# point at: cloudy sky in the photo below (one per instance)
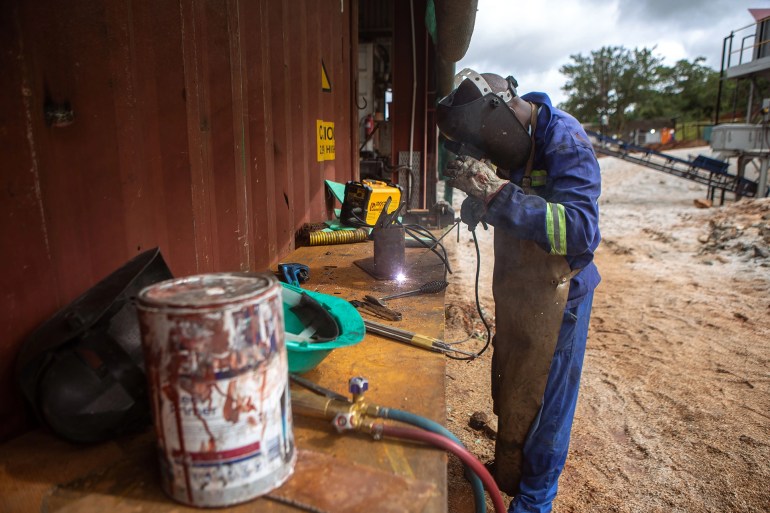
(532, 39)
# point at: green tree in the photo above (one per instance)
(611, 81)
(690, 89)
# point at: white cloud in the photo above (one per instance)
(532, 39)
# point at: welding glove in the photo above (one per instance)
(472, 212)
(474, 177)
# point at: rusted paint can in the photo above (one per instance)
(218, 377)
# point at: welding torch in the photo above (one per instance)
(414, 339)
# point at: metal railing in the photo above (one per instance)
(749, 48)
(754, 44)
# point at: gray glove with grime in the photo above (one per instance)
(473, 177)
(472, 212)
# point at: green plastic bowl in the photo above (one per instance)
(305, 356)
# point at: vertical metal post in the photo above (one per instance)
(721, 77)
(762, 184)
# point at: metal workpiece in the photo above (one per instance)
(389, 251)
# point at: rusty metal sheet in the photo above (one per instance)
(400, 376)
(321, 482)
(193, 129)
(38, 472)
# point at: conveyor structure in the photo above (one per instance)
(705, 170)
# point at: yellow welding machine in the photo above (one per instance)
(365, 200)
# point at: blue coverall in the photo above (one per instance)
(562, 217)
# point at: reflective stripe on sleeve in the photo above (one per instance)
(556, 224)
(539, 177)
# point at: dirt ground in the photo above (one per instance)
(674, 408)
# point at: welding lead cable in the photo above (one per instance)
(434, 427)
(408, 433)
(413, 232)
(437, 242)
(478, 304)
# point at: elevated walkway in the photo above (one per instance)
(704, 170)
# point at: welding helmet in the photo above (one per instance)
(82, 370)
(476, 114)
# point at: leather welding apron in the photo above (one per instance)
(530, 288)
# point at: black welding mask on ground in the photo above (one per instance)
(476, 114)
(82, 370)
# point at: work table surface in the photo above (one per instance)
(334, 473)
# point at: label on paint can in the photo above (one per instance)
(218, 373)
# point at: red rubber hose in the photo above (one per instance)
(448, 445)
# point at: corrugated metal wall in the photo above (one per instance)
(194, 130)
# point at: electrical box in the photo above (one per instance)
(740, 137)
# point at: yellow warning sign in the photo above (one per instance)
(326, 85)
(325, 130)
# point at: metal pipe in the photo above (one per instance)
(721, 78)
(762, 183)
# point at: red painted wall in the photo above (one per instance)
(194, 130)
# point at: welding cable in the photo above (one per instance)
(434, 427)
(438, 241)
(478, 304)
(356, 220)
(413, 230)
(426, 233)
(420, 435)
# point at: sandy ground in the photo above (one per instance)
(674, 409)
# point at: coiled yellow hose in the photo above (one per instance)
(337, 237)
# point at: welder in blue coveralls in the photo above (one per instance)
(537, 182)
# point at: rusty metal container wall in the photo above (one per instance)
(193, 129)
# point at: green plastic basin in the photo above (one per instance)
(305, 356)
